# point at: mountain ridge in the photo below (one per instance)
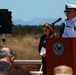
(35, 21)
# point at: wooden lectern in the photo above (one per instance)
(60, 51)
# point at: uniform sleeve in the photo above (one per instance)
(62, 29)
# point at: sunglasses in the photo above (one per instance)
(44, 30)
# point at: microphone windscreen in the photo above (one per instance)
(59, 19)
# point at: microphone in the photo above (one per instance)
(59, 19)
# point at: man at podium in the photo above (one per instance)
(69, 31)
(70, 23)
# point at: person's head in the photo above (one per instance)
(19, 70)
(70, 11)
(47, 29)
(63, 69)
(7, 54)
(4, 72)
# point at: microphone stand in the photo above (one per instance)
(53, 29)
(59, 19)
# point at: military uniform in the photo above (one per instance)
(70, 24)
(69, 30)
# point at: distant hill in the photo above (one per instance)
(36, 21)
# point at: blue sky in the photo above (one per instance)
(29, 9)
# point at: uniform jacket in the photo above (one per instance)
(69, 30)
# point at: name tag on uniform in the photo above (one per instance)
(67, 26)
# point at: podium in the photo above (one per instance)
(60, 51)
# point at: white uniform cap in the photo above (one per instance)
(70, 7)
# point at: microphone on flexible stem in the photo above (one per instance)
(59, 19)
